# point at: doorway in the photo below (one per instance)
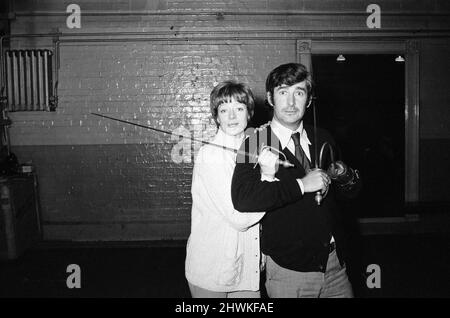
(361, 102)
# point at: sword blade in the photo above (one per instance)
(177, 135)
(252, 157)
(316, 158)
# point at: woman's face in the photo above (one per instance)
(232, 117)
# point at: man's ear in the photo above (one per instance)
(269, 98)
(309, 101)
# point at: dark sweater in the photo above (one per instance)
(295, 231)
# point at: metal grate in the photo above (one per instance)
(29, 80)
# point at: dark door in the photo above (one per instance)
(361, 101)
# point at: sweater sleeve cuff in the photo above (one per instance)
(268, 178)
(300, 184)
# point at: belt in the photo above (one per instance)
(331, 247)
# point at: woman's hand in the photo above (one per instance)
(268, 162)
(262, 127)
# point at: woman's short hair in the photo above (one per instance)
(289, 74)
(230, 90)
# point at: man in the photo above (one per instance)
(303, 241)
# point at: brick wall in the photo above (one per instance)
(155, 62)
(101, 179)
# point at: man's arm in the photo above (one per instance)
(250, 194)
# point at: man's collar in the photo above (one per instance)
(284, 133)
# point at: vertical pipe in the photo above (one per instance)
(55, 71)
(15, 76)
(21, 73)
(39, 76)
(45, 78)
(28, 92)
(34, 79)
(9, 80)
(2, 66)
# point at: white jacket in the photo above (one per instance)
(223, 252)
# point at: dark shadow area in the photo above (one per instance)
(361, 102)
(410, 266)
(262, 113)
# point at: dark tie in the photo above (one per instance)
(299, 153)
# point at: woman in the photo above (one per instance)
(223, 256)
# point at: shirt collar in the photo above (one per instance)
(284, 133)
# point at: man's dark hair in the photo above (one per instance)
(288, 74)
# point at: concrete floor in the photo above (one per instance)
(411, 266)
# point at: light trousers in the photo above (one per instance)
(286, 283)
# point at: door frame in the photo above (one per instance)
(410, 49)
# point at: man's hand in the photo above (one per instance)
(316, 180)
(346, 180)
(268, 162)
(341, 174)
(337, 169)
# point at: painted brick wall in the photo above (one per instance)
(230, 5)
(100, 179)
(50, 15)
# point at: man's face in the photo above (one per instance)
(289, 104)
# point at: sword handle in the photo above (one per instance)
(318, 198)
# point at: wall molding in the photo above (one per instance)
(410, 13)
